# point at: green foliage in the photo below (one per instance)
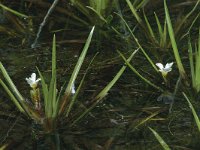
(161, 40)
(193, 111)
(13, 11)
(96, 11)
(160, 139)
(75, 73)
(134, 11)
(139, 45)
(173, 42)
(52, 102)
(194, 57)
(57, 105)
(148, 32)
(104, 92)
(138, 74)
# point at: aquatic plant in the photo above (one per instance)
(52, 106)
(97, 11)
(139, 100)
(53, 102)
(173, 42)
(194, 57)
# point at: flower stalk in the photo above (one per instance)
(35, 92)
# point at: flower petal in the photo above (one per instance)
(169, 65)
(160, 66)
(167, 70)
(29, 81)
(32, 81)
(33, 76)
(37, 80)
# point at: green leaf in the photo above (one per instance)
(193, 111)
(97, 13)
(138, 74)
(10, 83)
(54, 102)
(137, 42)
(79, 87)
(13, 11)
(149, 27)
(173, 42)
(15, 101)
(191, 63)
(104, 92)
(184, 19)
(75, 72)
(160, 140)
(160, 30)
(134, 11)
(45, 92)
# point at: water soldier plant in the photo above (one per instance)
(52, 106)
(46, 110)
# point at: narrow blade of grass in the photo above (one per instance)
(12, 97)
(97, 13)
(160, 140)
(137, 42)
(173, 42)
(104, 92)
(146, 119)
(193, 111)
(21, 105)
(134, 11)
(76, 71)
(4, 146)
(183, 20)
(164, 37)
(79, 87)
(191, 63)
(13, 11)
(191, 25)
(45, 92)
(138, 74)
(54, 102)
(142, 4)
(197, 73)
(79, 5)
(149, 27)
(160, 30)
(10, 83)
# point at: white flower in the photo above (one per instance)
(166, 69)
(32, 80)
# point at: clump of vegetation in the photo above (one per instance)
(150, 98)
